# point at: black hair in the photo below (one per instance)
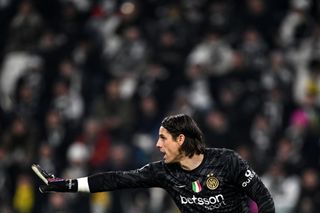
(184, 124)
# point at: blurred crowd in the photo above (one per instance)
(84, 85)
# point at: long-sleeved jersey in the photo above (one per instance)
(222, 183)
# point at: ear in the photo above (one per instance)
(180, 139)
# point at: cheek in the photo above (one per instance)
(172, 154)
(173, 149)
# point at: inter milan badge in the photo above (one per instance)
(196, 186)
(212, 182)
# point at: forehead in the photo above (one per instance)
(163, 131)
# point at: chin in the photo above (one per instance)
(166, 160)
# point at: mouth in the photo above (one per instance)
(163, 153)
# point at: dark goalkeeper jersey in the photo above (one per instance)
(222, 183)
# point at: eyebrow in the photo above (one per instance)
(161, 135)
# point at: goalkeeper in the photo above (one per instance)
(198, 179)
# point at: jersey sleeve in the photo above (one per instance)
(250, 183)
(145, 177)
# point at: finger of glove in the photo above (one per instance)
(42, 174)
(49, 188)
(44, 189)
(53, 187)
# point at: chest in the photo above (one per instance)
(209, 189)
(210, 180)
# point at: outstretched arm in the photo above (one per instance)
(107, 181)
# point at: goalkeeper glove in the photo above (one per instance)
(54, 184)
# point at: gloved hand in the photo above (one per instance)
(53, 183)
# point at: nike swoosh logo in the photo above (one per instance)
(180, 186)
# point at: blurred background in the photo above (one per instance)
(85, 83)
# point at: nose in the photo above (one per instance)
(158, 144)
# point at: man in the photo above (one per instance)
(198, 179)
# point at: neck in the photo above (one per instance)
(187, 163)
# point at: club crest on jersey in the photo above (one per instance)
(212, 182)
(196, 186)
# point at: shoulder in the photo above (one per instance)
(224, 156)
(221, 152)
(156, 166)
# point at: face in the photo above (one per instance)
(168, 146)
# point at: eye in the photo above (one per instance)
(162, 137)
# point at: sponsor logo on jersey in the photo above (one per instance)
(210, 203)
(196, 186)
(249, 175)
(212, 182)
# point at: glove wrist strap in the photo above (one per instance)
(72, 185)
(67, 185)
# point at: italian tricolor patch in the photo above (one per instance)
(196, 186)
